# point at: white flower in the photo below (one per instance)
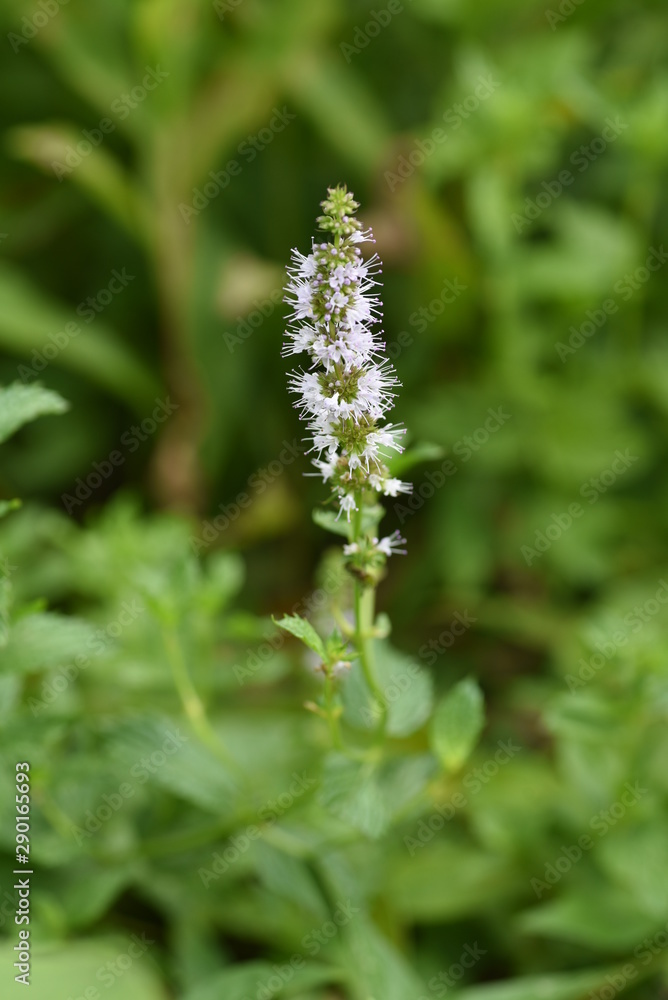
(348, 386)
(340, 668)
(390, 544)
(374, 387)
(305, 267)
(393, 487)
(326, 469)
(301, 339)
(347, 505)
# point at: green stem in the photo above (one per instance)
(191, 701)
(365, 599)
(333, 715)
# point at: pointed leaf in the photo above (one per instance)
(303, 630)
(457, 724)
(19, 404)
(351, 792)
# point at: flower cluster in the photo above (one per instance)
(349, 386)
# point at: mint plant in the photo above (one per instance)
(344, 396)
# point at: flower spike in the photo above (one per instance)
(346, 391)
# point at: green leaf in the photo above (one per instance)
(65, 968)
(592, 914)
(48, 640)
(369, 795)
(350, 790)
(457, 723)
(303, 630)
(554, 986)
(341, 108)
(99, 173)
(7, 506)
(431, 881)
(85, 891)
(379, 968)
(290, 879)
(241, 981)
(423, 452)
(235, 983)
(5, 604)
(19, 404)
(407, 688)
(327, 519)
(191, 770)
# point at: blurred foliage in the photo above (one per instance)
(511, 157)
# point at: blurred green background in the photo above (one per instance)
(161, 158)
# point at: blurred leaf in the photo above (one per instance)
(248, 979)
(27, 320)
(86, 892)
(45, 641)
(419, 453)
(98, 173)
(70, 968)
(341, 107)
(376, 964)
(303, 630)
(289, 878)
(19, 404)
(457, 724)
(407, 688)
(637, 858)
(350, 790)
(592, 914)
(7, 506)
(327, 519)
(433, 880)
(189, 770)
(555, 986)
